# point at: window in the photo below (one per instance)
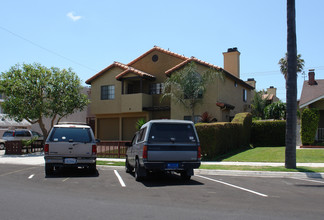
(141, 135)
(166, 132)
(156, 88)
(107, 92)
(155, 58)
(244, 95)
(71, 135)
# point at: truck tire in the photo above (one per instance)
(93, 168)
(128, 167)
(138, 171)
(185, 176)
(49, 169)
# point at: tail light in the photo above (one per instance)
(46, 148)
(145, 152)
(94, 149)
(199, 153)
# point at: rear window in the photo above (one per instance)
(22, 134)
(71, 135)
(165, 132)
(8, 134)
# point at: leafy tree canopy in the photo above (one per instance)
(34, 92)
(276, 111)
(187, 86)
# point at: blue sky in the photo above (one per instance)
(89, 35)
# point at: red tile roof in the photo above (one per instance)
(193, 59)
(126, 68)
(115, 64)
(135, 71)
(268, 96)
(311, 93)
(156, 48)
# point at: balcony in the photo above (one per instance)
(135, 102)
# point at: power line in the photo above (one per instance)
(47, 50)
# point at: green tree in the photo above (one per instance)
(34, 92)
(284, 65)
(291, 87)
(276, 111)
(258, 105)
(187, 86)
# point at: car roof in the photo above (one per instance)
(71, 126)
(175, 121)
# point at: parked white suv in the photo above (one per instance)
(70, 145)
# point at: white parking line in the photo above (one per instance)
(31, 176)
(120, 179)
(234, 186)
(315, 181)
(5, 174)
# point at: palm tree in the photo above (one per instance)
(187, 86)
(291, 87)
(284, 65)
(258, 104)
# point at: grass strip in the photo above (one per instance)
(272, 154)
(263, 168)
(110, 163)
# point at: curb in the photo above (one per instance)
(260, 173)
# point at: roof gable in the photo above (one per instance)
(193, 59)
(311, 93)
(156, 48)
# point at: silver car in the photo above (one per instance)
(70, 145)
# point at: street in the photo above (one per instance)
(114, 194)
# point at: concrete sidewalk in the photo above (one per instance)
(38, 159)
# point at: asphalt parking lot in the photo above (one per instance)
(78, 194)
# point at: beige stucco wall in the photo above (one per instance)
(218, 91)
(117, 127)
(99, 106)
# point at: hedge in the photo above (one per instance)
(309, 124)
(268, 133)
(219, 138)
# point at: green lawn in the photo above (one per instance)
(273, 154)
(260, 154)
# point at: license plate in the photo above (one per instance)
(172, 165)
(70, 161)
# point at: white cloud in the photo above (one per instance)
(73, 17)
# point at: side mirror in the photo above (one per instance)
(97, 140)
(128, 144)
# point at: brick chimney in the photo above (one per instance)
(251, 82)
(232, 61)
(272, 90)
(311, 77)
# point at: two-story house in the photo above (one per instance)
(121, 94)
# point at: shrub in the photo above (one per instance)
(276, 111)
(268, 133)
(309, 124)
(219, 138)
